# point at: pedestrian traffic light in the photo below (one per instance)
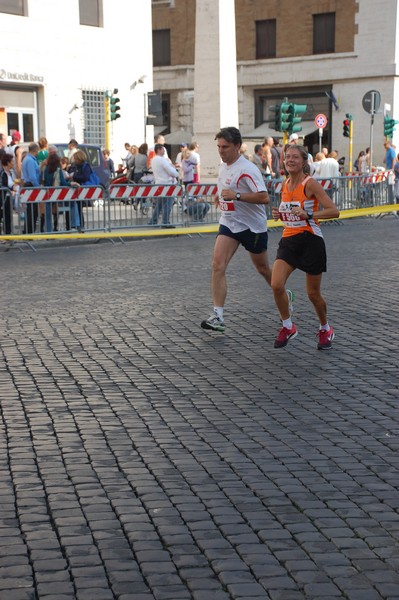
(389, 126)
(275, 117)
(295, 117)
(346, 128)
(114, 107)
(284, 116)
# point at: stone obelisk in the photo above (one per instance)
(215, 78)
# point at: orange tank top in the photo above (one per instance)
(294, 224)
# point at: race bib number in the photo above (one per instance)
(227, 206)
(285, 210)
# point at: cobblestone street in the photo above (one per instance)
(144, 458)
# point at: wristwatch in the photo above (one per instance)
(238, 196)
(309, 214)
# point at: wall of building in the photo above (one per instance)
(53, 53)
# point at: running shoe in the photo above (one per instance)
(214, 322)
(284, 335)
(325, 339)
(291, 298)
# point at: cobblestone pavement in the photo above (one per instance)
(142, 457)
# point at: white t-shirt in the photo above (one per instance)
(243, 177)
(163, 170)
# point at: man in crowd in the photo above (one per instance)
(164, 173)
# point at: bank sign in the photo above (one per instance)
(14, 76)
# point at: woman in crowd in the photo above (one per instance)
(8, 181)
(53, 175)
(81, 172)
(43, 152)
(303, 203)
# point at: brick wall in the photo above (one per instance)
(294, 26)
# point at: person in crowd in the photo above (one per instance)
(8, 181)
(53, 175)
(258, 159)
(31, 178)
(275, 150)
(303, 203)
(43, 152)
(188, 166)
(128, 154)
(364, 162)
(390, 155)
(131, 163)
(3, 141)
(109, 162)
(194, 148)
(164, 173)
(267, 157)
(64, 163)
(356, 164)
(140, 162)
(81, 171)
(16, 150)
(158, 139)
(72, 149)
(396, 173)
(315, 167)
(178, 161)
(242, 197)
(244, 151)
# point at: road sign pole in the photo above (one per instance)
(372, 112)
(320, 138)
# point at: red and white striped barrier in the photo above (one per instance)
(326, 184)
(194, 189)
(50, 194)
(126, 191)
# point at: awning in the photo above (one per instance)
(265, 130)
(178, 137)
(159, 129)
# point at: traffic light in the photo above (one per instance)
(114, 107)
(389, 126)
(275, 117)
(284, 116)
(346, 132)
(295, 117)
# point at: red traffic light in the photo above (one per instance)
(346, 122)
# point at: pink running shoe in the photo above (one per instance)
(325, 338)
(284, 335)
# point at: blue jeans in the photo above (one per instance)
(163, 205)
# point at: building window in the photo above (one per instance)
(90, 12)
(161, 47)
(94, 117)
(13, 7)
(266, 38)
(324, 33)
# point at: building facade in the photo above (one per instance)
(61, 59)
(327, 54)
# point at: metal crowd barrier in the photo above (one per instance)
(62, 209)
(198, 204)
(141, 205)
(348, 191)
(45, 210)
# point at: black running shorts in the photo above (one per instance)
(256, 243)
(304, 251)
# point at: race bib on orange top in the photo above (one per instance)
(285, 210)
(227, 206)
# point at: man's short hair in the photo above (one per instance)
(257, 148)
(157, 147)
(33, 146)
(230, 134)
